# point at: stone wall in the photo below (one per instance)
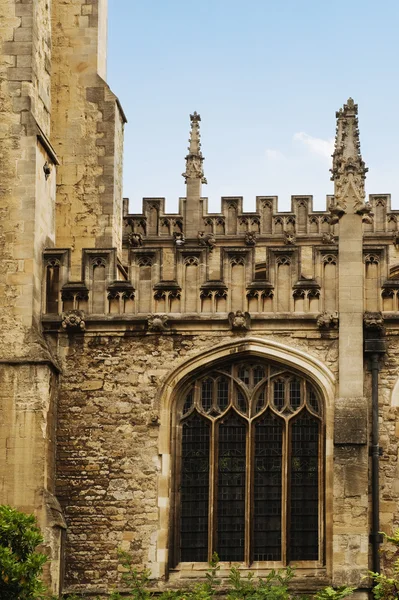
(28, 379)
(109, 444)
(25, 63)
(389, 435)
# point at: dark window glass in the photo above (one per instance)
(52, 288)
(259, 374)
(304, 484)
(312, 399)
(278, 398)
(194, 492)
(267, 486)
(223, 393)
(188, 403)
(295, 394)
(206, 394)
(277, 454)
(231, 488)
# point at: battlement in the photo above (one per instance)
(266, 220)
(266, 263)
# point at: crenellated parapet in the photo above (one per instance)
(268, 263)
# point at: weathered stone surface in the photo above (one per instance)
(350, 426)
(104, 314)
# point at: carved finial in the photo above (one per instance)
(194, 158)
(349, 170)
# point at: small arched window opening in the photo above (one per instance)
(52, 286)
(249, 467)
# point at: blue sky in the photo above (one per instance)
(267, 77)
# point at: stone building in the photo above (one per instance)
(176, 384)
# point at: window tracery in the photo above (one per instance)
(249, 464)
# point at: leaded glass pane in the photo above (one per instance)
(242, 402)
(285, 485)
(295, 394)
(223, 393)
(260, 402)
(259, 373)
(194, 489)
(278, 394)
(188, 402)
(267, 487)
(304, 484)
(231, 488)
(244, 374)
(312, 399)
(206, 394)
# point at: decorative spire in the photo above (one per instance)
(194, 158)
(349, 170)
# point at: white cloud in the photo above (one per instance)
(315, 145)
(272, 154)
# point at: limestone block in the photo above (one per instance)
(350, 421)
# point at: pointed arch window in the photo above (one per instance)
(249, 467)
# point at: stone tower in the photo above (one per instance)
(56, 111)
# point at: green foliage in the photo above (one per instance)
(273, 587)
(137, 581)
(20, 563)
(387, 588)
(329, 593)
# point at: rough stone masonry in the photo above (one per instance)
(134, 348)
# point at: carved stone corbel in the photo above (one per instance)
(207, 240)
(157, 323)
(328, 320)
(289, 238)
(374, 322)
(179, 239)
(240, 320)
(328, 238)
(135, 240)
(250, 238)
(73, 321)
(336, 211)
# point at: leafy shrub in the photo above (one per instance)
(387, 588)
(273, 587)
(329, 593)
(20, 563)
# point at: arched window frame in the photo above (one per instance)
(286, 374)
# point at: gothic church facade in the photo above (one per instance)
(179, 384)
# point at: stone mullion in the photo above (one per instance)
(306, 300)
(213, 301)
